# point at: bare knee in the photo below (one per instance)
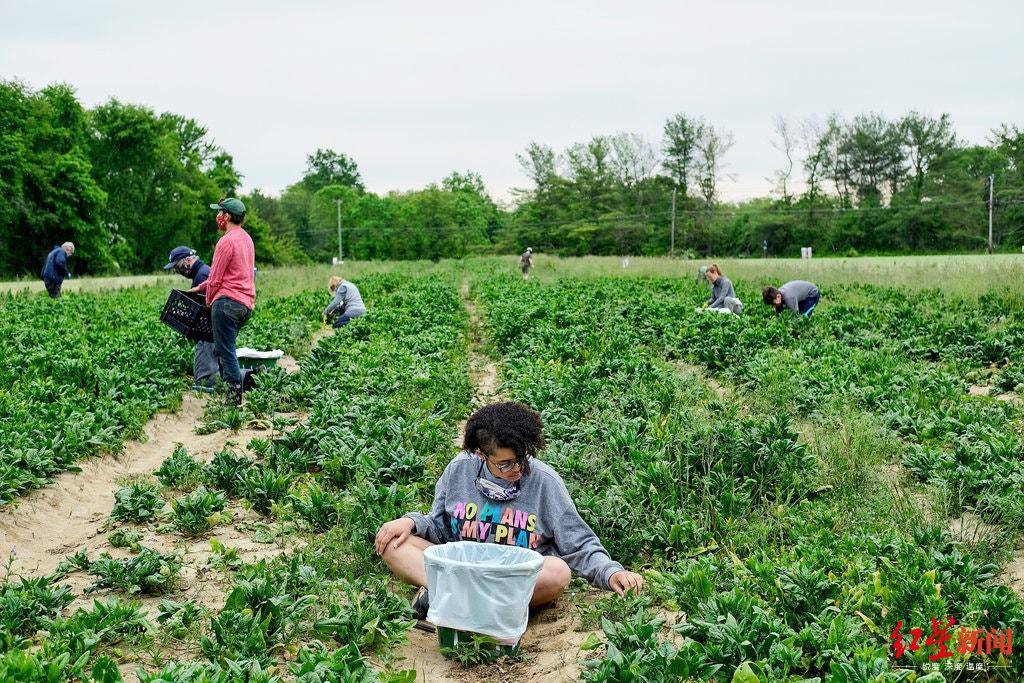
(406, 561)
(553, 580)
(561, 575)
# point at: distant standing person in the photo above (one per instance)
(526, 262)
(723, 296)
(799, 296)
(346, 304)
(204, 363)
(55, 269)
(230, 289)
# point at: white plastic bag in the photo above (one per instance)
(481, 587)
(246, 352)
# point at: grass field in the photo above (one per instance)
(965, 275)
(795, 492)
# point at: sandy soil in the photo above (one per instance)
(49, 523)
(57, 520)
(550, 652)
(986, 390)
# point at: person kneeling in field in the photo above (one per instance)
(346, 304)
(799, 296)
(723, 296)
(496, 491)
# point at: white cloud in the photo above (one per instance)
(415, 90)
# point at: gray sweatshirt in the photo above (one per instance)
(719, 291)
(796, 291)
(346, 301)
(543, 517)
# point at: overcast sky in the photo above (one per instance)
(414, 90)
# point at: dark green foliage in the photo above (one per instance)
(317, 664)
(197, 512)
(321, 509)
(225, 470)
(27, 603)
(138, 502)
(366, 615)
(264, 487)
(636, 650)
(148, 572)
(177, 618)
(180, 470)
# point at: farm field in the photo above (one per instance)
(794, 491)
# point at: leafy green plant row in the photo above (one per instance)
(781, 577)
(383, 397)
(908, 361)
(82, 374)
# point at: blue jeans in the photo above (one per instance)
(342, 320)
(228, 317)
(808, 304)
(204, 364)
(53, 288)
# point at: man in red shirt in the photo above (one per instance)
(231, 289)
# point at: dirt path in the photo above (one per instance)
(551, 645)
(483, 371)
(59, 519)
(550, 651)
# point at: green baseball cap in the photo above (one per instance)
(231, 205)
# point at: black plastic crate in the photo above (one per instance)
(188, 313)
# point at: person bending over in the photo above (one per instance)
(798, 296)
(723, 296)
(55, 269)
(346, 304)
(497, 491)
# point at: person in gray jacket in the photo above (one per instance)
(497, 491)
(723, 296)
(799, 296)
(346, 304)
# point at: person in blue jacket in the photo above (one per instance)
(205, 366)
(55, 269)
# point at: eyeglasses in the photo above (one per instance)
(507, 465)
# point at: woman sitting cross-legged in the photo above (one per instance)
(496, 491)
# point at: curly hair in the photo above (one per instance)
(508, 424)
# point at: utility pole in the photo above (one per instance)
(341, 252)
(672, 250)
(991, 182)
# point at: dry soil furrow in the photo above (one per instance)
(64, 517)
(551, 645)
(483, 371)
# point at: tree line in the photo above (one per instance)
(126, 184)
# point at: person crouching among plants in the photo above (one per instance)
(346, 304)
(497, 491)
(799, 296)
(723, 296)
